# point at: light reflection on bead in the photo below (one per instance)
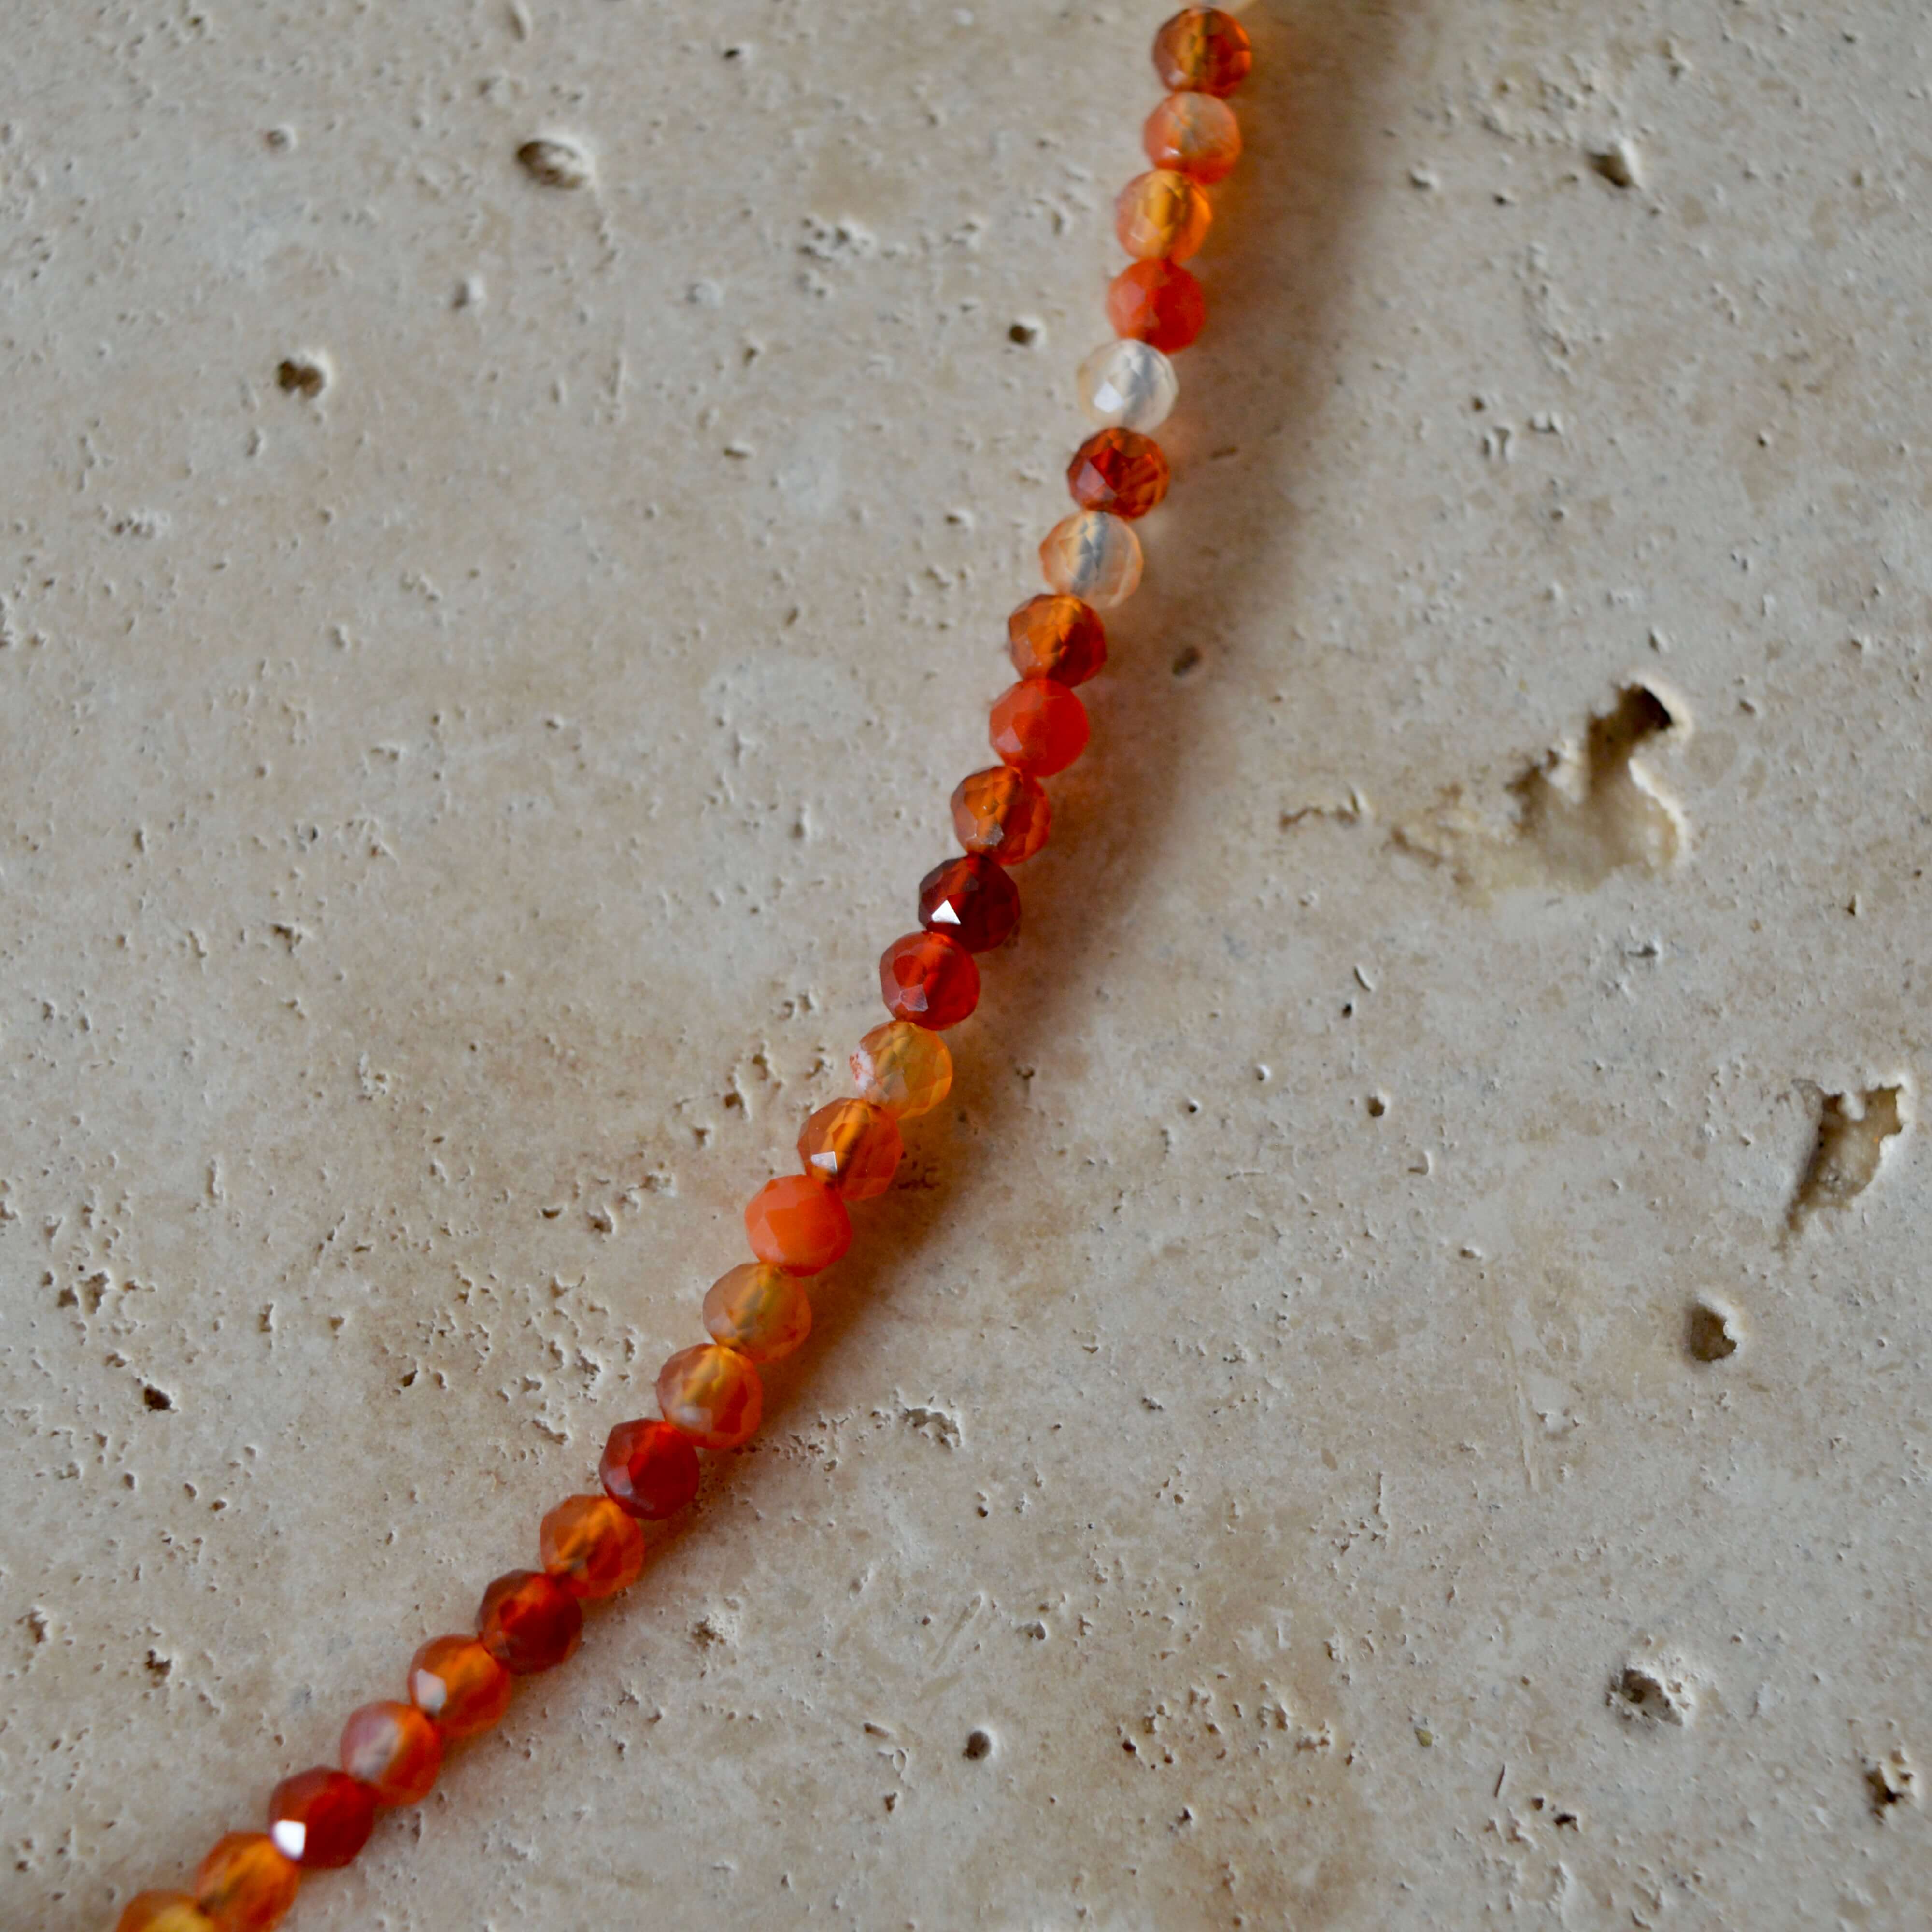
(1128, 385)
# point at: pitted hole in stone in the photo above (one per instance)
(1028, 331)
(1655, 1690)
(156, 1398)
(1856, 1131)
(552, 161)
(1377, 1106)
(306, 375)
(1891, 1781)
(1713, 1331)
(980, 1743)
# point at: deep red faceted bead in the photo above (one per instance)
(529, 1621)
(1057, 636)
(1038, 727)
(1116, 469)
(971, 900)
(929, 979)
(321, 1819)
(649, 1468)
(1159, 303)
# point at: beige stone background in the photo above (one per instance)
(448, 819)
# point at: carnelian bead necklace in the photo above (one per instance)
(710, 1396)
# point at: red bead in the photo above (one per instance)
(649, 1469)
(852, 1147)
(1002, 813)
(929, 979)
(395, 1750)
(1039, 727)
(1159, 303)
(458, 1685)
(529, 1622)
(321, 1819)
(1116, 469)
(795, 1224)
(971, 900)
(1057, 636)
(1202, 50)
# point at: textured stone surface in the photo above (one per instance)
(512, 510)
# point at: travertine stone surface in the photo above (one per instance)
(1393, 1392)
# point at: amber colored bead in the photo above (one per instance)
(1056, 637)
(713, 1394)
(1159, 303)
(320, 1819)
(1002, 813)
(902, 1068)
(162, 1911)
(1195, 135)
(852, 1147)
(395, 1750)
(529, 1622)
(591, 1547)
(1161, 215)
(244, 1885)
(971, 900)
(1202, 50)
(797, 1225)
(929, 979)
(649, 1469)
(1116, 469)
(1039, 727)
(457, 1683)
(758, 1309)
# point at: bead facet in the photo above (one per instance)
(1202, 50)
(1057, 636)
(903, 1068)
(164, 1912)
(529, 1622)
(1162, 216)
(797, 1225)
(320, 1819)
(1159, 303)
(759, 1310)
(649, 1469)
(1196, 135)
(244, 1885)
(455, 1682)
(929, 979)
(972, 901)
(1094, 556)
(1002, 813)
(395, 1750)
(1119, 470)
(593, 1548)
(1128, 385)
(853, 1148)
(713, 1394)
(1039, 726)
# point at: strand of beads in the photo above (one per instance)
(710, 1396)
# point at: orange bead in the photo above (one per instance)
(1202, 50)
(456, 1682)
(1195, 135)
(903, 1068)
(797, 1225)
(164, 1912)
(321, 1818)
(1056, 637)
(244, 1885)
(1161, 215)
(853, 1148)
(759, 1310)
(393, 1749)
(1039, 727)
(929, 979)
(1159, 303)
(1002, 813)
(713, 1394)
(528, 1622)
(591, 1547)
(648, 1469)
(1116, 469)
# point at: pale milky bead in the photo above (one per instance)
(1093, 557)
(1126, 384)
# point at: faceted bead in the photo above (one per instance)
(1116, 469)
(972, 899)
(797, 1225)
(1093, 557)
(853, 1148)
(244, 1885)
(591, 1547)
(321, 1819)
(713, 1394)
(1128, 385)
(164, 1912)
(1202, 50)
(903, 1068)
(1058, 637)
(1039, 726)
(457, 1683)
(1162, 216)
(758, 1309)
(529, 1622)
(1002, 813)
(1159, 303)
(649, 1469)
(1195, 134)
(929, 979)
(395, 1750)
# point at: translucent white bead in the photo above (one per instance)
(1093, 557)
(1126, 384)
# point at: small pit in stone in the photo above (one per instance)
(979, 1743)
(306, 376)
(1855, 1132)
(1713, 1331)
(156, 1398)
(1029, 331)
(553, 162)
